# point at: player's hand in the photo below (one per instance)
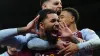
(70, 49)
(31, 26)
(65, 32)
(61, 44)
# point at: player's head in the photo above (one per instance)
(49, 23)
(55, 5)
(69, 15)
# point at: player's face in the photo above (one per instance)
(50, 26)
(55, 5)
(66, 17)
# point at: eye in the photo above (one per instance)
(53, 20)
(61, 17)
(56, 3)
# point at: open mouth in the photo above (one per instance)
(54, 33)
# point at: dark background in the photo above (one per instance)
(17, 13)
(14, 13)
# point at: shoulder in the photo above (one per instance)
(88, 34)
(87, 30)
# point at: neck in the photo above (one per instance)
(73, 27)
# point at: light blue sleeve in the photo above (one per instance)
(6, 33)
(92, 40)
(88, 34)
(16, 41)
(7, 38)
(37, 44)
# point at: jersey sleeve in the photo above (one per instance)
(92, 40)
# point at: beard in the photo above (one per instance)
(51, 39)
(59, 11)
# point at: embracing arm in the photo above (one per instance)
(7, 33)
(92, 40)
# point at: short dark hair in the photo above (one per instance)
(43, 15)
(73, 11)
(42, 1)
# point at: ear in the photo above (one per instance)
(72, 19)
(43, 6)
(41, 25)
